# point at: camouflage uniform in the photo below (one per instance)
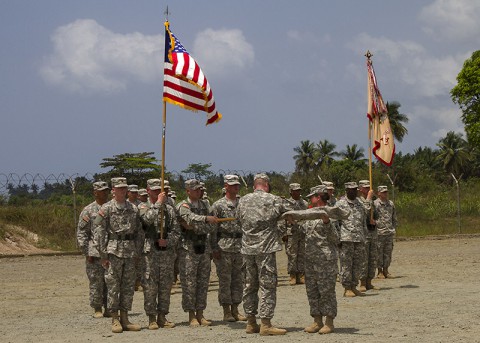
(386, 226)
(157, 276)
(229, 241)
(352, 238)
(95, 270)
(295, 246)
(194, 255)
(321, 267)
(117, 236)
(258, 213)
(371, 240)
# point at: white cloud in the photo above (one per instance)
(452, 19)
(88, 57)
(219, 51)
(411, 65)
(438, 120)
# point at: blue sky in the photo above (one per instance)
(82, 80)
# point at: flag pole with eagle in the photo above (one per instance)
(380, 133)
(184, 85)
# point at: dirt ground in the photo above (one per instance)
(434, 298)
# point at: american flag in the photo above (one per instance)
(377, 113)
(184, 83)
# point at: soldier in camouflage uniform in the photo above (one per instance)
(370, 239)
(133, 195)
(331, 191)
(228, 243)
(194, 254)
(142, 195)
(321, 269)
(95, 271)
(352, 240)
(295, 241)
(116, 232)
(258, 213)
(386, 226)
(159, 253)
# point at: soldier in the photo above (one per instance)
(229, 259)
(258, 213)
(352, 240)
(370, 238)
(172, 195)
(321, 241)
(295, 242)
(386, 226)
(159, 254)
(116, 231)
(133, 195)
(194, 254)
(142, 195)
(331, 191)
(85, 239)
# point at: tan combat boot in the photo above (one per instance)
(266, 329)
(293, 280)
(328, 327)
(237, 315)
(126, 325)
(98, 312)
(227, 314)
(371, 286)
(348, 293)
(116, 326)
(163, 322)
(380, 274)
(357, 292)
(192, 319)
(301, 278)
(252, 326)
(316, 325)
(363, 286)
(201, 319)
(152, 322)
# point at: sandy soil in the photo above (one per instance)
(434, 298)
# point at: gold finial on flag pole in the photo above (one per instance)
(368, 54)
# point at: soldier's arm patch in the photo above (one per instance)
(186, 205)
(86, 218)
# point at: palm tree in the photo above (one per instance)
(454, 152)
(325, 153)
(305, 157)
(353, 153)
(396, 121)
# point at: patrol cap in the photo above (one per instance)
(119, 182)
(173, 195)
(294, 187)
(262, 176)
(154, 184)
(192, 184)
(100, 186)
(202, 186)
(328, 184)
(350, 185)
(231, 180)
(364, 183)
(142, 191)
(166, 184)
(132, 188)
(382, 189)
(319, 189)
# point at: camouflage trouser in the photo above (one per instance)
(96, 283)
(371, 257)
(352, 263)
(195, 275)
(320, 280)
(157, 281)
(260, 274)
(295, 249)
(231, 277)
(120, 280)
(385, 249)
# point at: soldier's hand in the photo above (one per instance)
(105, 263)
(325, 218)
(162, 198)
(370, 194)
(90, 259)
(162, 243)
(212, 220)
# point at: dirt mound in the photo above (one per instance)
(19, 241)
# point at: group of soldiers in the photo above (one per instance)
(130, 238)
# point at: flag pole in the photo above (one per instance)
(368, 55)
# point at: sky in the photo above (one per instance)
(82, 80)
